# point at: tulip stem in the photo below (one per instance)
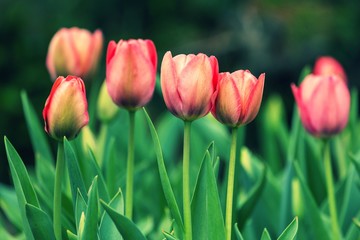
(186, 182)
(59, 172)
(230, 184)
(130, 167)
(330, 191)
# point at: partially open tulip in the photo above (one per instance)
(239, 97)
(66, 108)
(327, 65)
(74, 51)
(188, 83)
(131, 72)
(324, 104)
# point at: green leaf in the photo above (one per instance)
(91, 216)
(290, 231)
(71, 235)
(9, 205)
(237, 232)
(108, 229)
(207, 219)
(165, 182)
(103, 193)
(168, 236)
(80, 207)
(250, 202)
(355, 159)
(76, 179)
(126, 227)
(36, 131)
(40, 223)
(265, 235)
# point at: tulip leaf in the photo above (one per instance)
(9, 205)
(40, 222)
(91, 215)
(126, 227)
(165, 182)
(249, 204)
(108, 229)
(207, 219)
(168, 236)
(290, 231)
(23, 187)
(80, 207)
(71, 236)
(237, 232)
(103, 193)
(76, 179)
(36, 131)
(265, 235)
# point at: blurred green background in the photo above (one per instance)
(278, 37)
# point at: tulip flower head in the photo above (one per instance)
(74, 51)
(131, 72)
(239, 97)
(65, 111)
(324, 104)
(188, 84)
(327, 65)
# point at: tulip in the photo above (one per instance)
(65, 111)
(131, 72)
(106, 108)
(188, 84)
(74, 51)
(327, 65)
(324, 104)
(239, 97)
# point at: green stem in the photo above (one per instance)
(230, 184)
(60, 162)
(330, 191)
(186, 182)
(130, 167)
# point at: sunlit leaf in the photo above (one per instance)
(290, 231)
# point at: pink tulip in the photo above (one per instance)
(324, 104)
(131, 72)
(188, 84)
(326, 65)
(74, 51)
(65, 111)
(239, 97)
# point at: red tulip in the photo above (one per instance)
(131, 72)
(65, 111)
(324, 104)
(74, 51)
(188, 84)
(329, 66)
(239, 97)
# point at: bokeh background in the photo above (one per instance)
(278, 37)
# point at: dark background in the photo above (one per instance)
(278, 37)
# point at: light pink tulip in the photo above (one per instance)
(131, 72)
(324, 104)
(239, 97)
(65, 111)
(74, 51)
(188, 83)
(327, 65)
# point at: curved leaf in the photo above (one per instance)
(40, 223)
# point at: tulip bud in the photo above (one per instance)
(74, 51)
(106, 108)
(239, 97)
(131, 72)
(324, 104)
(329, 66)
(65, 111)
(188, 83)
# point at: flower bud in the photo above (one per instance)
(106, 108)
(327, 65)
(65, 111)
(131, 72)
(74, 51)
(324, 104)
(239, 97)
(188, 83)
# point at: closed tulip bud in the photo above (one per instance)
(239, 97)
(131, 72)
(329, 66)
(188, 84)
(65, 111)
(106, 108)
(324, 104)
(74, 51)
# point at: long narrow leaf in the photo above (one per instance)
(290, 232)
(91, 216)
(40, 223)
